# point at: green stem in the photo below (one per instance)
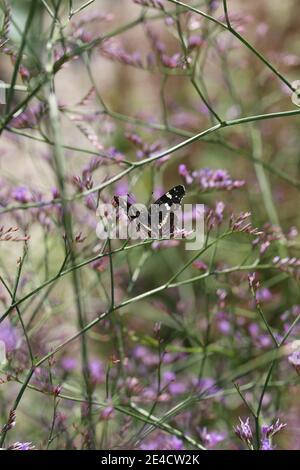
(30, 16)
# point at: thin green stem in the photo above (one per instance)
(29, 20)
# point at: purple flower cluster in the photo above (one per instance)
(10, 336)
(288, 264)
(239, 224)
(162, 442)
(21, 446)
(11, 235)
(211, 439)
(144, 149)
(245, 433)
(209, 179)
(114, 51)
(30, 117)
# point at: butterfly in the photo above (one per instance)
(162, 211)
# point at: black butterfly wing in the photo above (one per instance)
(165, 205)
(173, 196)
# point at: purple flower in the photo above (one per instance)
(200, 265)
(263, 295)
(170, 358)
(144, 149)
(158, 244)
(21, 194)
(121, 188)
(214, 217)
(203, 109)
(55, 193)
(113, 51)
(294, 359)
(177, 388)
(69, 364)
(194, 41)
(268, 432)
(96, 371)
(209, 179)
(107, 413)
(100, 264)
(244, 432)
(163, 442)
(183, 171)
(149, 395)
(151, 445)
(210, 439)
(239, 224)
(206, 385)
(175, 443)
(42, 380)
(169, 376)
(21, 446)
(24, 72)
(145, 356)
(29, 118)
(265, 445)
(158, 45)
(90, 202)
(219, 209)
(292, 233)
(260, 339)
(214, 4)
(114, 154)
(224, 326)
(173, 61)
(9, 335)
(272, 429)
